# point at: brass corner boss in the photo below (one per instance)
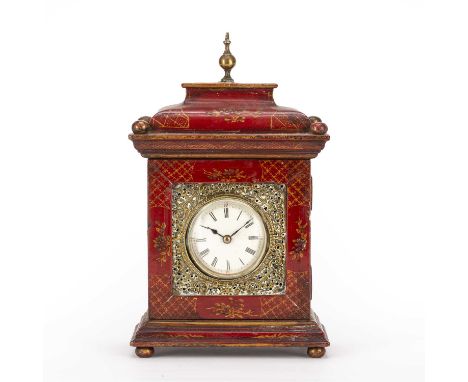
(227, 61)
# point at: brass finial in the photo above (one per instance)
(227, 61)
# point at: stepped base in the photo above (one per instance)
(242, 333)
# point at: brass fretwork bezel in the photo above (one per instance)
(268, 278)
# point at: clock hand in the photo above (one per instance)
(212, 230)
(241, 227)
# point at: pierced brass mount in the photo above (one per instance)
(227, 61)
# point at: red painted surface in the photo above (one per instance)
(295, 304)
(229, 110)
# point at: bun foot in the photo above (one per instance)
(144, 352)
(315, 352)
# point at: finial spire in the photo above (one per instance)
(227, 61)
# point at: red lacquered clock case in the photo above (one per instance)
(229, 132)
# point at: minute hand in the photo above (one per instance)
(241, 227)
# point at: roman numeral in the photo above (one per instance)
(212, 215)
(250, 250)
(228, 266)
(226, 210)
(240, 213)
(241, 261)
(199, 240)
(215, 260)
(253, 237)
(248, 225)
(204, 252)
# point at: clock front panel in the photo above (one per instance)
(229, 239)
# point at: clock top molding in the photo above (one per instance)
(229, 120)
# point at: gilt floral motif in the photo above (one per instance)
(231, 309)
(234, 116)
(274, 336)
(300, 243)
(187, 336)
(226, 175)
(162, 242)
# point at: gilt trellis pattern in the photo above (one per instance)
(161, 175)
(162, 302)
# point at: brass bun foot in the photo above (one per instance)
(144, 352)
(315, 352)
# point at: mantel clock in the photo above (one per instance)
(229, 199)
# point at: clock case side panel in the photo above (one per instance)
(163, 304)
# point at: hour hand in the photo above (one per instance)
(212, 230)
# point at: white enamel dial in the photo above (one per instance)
(227, 238)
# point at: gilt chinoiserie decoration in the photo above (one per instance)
(229, 201)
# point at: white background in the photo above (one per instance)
(388, 77)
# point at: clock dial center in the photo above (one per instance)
(227, 239)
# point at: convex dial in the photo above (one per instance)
(227, 238)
